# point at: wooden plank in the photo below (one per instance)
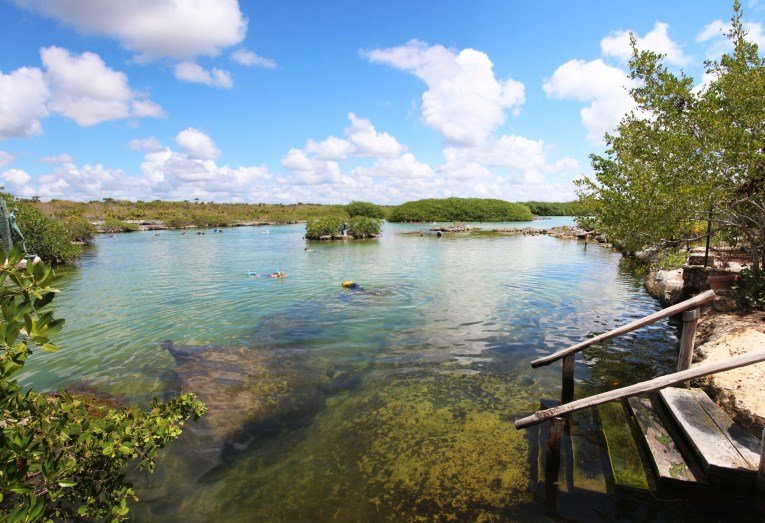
(623, 453)
(746, 444)
(567, 389)
(721, 461)
(552, 462)
(668, 463)
(587, 469)
(643, 387)
(693, 303)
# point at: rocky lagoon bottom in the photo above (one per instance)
(390, 402)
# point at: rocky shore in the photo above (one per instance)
(158, 225)
(741, 392)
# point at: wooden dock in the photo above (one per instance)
(657, 435)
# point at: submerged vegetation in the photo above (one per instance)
(64, 456)
(460, 210)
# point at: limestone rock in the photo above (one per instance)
(666, 286)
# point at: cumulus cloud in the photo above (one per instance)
(714, 34)
(60, 158)
(87, 91)
(617, 44)
(465, 101)
(23, 96)
(604, 87)
(197, 144)
(367, 141)
(179, 29)
(250, 59)
(195, 73)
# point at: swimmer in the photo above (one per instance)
(348, 284)
(308, 249)
(278, 274)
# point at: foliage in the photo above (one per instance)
(669, 259)
(44, 236)
(80, 229)
(62, 456)
(554, 208)
(332, 225)
(750, 288)
(686, 155)
(364, 227)
(326, 225)
(370, 210)
(115, 225)
(460, 210)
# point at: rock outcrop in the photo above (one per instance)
(739, 391)
(665, 286)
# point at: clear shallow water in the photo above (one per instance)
(325, 403)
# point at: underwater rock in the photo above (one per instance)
(665, 286)
(245, 392)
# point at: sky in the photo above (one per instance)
(327, 102)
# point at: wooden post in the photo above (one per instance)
(761, 471)
(687, 341)
(552, 461)
(567, 392)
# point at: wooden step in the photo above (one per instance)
(667, 461)
(727, 452)
(623, 454)
(587, 452)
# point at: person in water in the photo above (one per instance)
(278, 274)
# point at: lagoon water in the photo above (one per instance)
(331, 404)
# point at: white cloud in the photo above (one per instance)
(465, 101)
(197, 144)
(605, 88)
(6, 159)
(60, 158)
(715, 35)
(405, 166)
(180, 29)
(368, 142)
(16, 178)
(23, 95)
(250, 59)
(150, 144)
(87, 91)
(331, 148)
(617, 44)
(195, 73)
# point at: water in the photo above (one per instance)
(395, 402)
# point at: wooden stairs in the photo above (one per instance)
(648, 437)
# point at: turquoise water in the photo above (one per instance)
(389, 403)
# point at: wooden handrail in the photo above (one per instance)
(640, 388)
(692, 303)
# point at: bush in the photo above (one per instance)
(358, 227)
(669, 259)
(115, 225)
(80, 229)
(370, 210)
(326, 225)
(553, 208)
(751, 289)
(63, 457)
(45, 236)
(460, 210)
(364, 227)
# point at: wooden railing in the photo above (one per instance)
(691, 310)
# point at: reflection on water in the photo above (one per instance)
(328, 403)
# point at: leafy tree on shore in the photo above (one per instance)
(460, 210)
(370, 210)
(64, 456)
(687, 154)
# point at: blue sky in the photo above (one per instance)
(324, 101)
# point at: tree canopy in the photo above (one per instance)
(687, 153)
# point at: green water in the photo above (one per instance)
(327, 404)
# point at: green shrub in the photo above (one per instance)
(63, 457)
(45, 236)
(460, 210)
(364, 227)
(669, 259)
(370, 210)
(80, 229)
(553, 208)
(326, 225)
(751, 289)
(115, 225)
